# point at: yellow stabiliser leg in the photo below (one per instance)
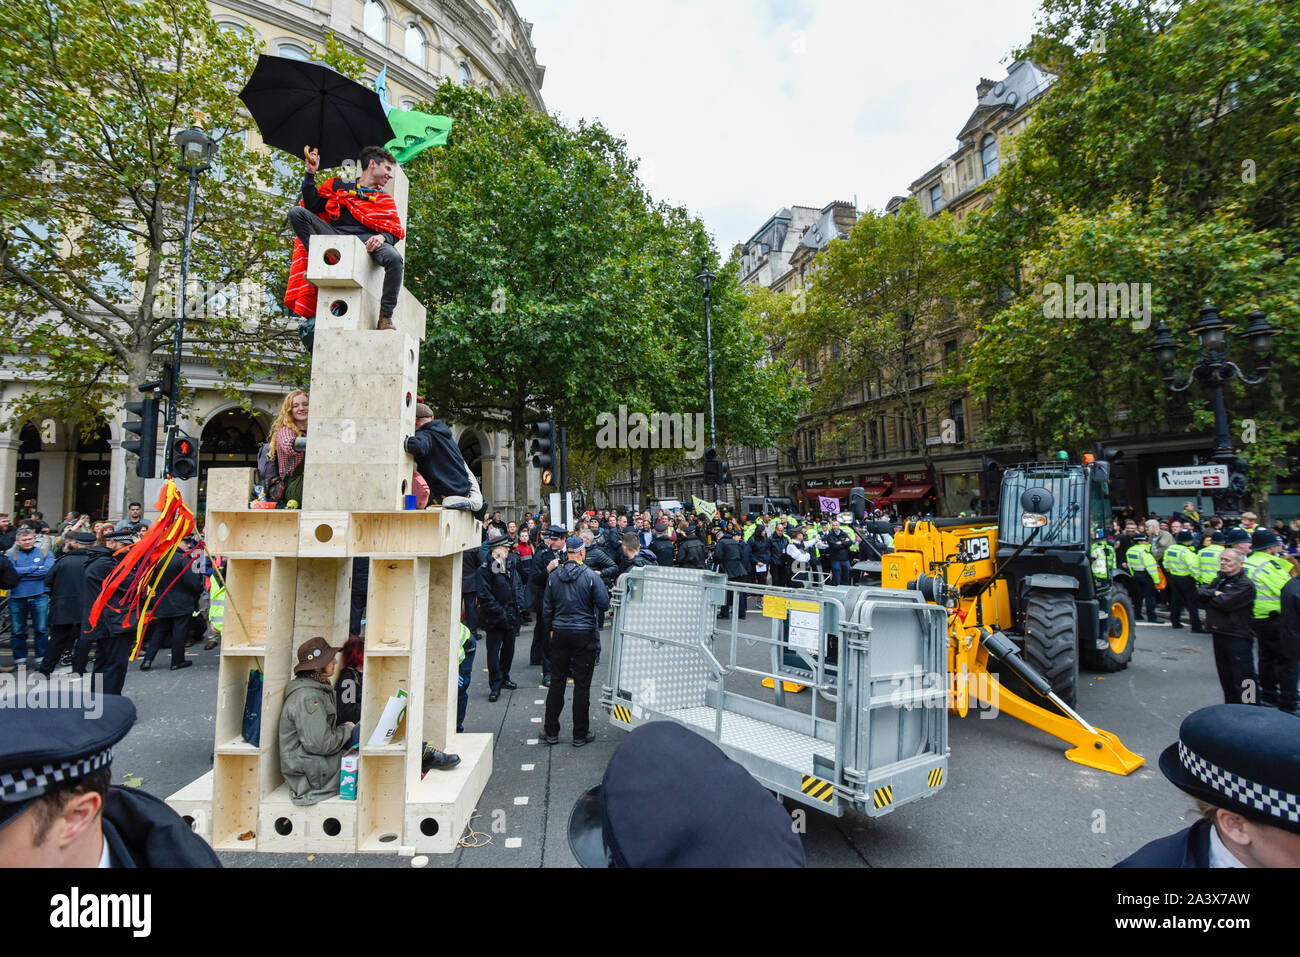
(789, 686)
(1100, 750)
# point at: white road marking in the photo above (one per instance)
(514, 842)
(521, 800)
(527, 767)
(540, 701)
(532, 740)
(535, 720)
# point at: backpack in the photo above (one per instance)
(267, 468)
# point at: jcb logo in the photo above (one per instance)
(976, 548)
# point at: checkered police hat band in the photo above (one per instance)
(32, 782)
(1271, 801)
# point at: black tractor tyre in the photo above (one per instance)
(1052, 640)
(1115, 649)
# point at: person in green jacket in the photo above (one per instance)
(1101, 558)
(1279, 663)
(1142, 566)
(312, 743)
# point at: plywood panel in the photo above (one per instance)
(439, 806)
(368, 487)
(323, 602)
(329, 827)
(252, 532)
(323, 534)
(235, 801)
(342, 308)
(430, 532)
(390, 604)
(342, 262)
(232, 691)
(248, 587)
(194, 804)
(385, 676)
(381, 800)
(229, 489)
(442, 651)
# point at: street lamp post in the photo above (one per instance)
(196, 150)
(1216, 370)
(705, 279)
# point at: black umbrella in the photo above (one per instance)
(297, 104)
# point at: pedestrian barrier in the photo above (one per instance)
(871, 736)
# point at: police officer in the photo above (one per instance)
(1101, 557)
(500, 600)
(1207, 560)
(464, 673)
(729, 557)
(545, 561)
(1243, 762)
(113, 636)
(1180, 563)
(1278, 670)
(57, 808)
(671, 798)
(837, 551)
(1142, 566)
(575, 604)
(662, 546)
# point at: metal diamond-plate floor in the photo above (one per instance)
(788, 748)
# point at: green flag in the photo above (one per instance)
(416, 132)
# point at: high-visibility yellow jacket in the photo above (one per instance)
(1270, 575)
(1179, 560)
(1140, 559)
(1207, 563)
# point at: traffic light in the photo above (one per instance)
(543, 445)
(1113, 472)
(710, 466)
(145, 447)
(724, 473)
(183, 453)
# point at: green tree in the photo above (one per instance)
(879, 308)
(93, 96)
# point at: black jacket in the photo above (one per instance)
(760, 551)
(663, 551)
(540, 573)
(1230, 613)
(1190, 847)
(500, 596)
(439, 460)
(470, 561)
(178, 591)
(8, 537)
(601, 562)
(1291, 617)
(691, 553)
(67, 584)
(142, 831)
(837, 545)
(576, 599)
(642, 558)
(112, 616)
(361, 578)
(8, 574)
(729, 556)
(776, 548)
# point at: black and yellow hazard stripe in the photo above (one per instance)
(884, 796)
(936, 777)
(815, 787)
(622, 714)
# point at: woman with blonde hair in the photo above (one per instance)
(289, 425)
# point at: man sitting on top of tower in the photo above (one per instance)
(354, 209)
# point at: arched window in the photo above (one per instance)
(415, 45)
(374, 21)
(226, 25)
(989, 153)
(463, 75)
(293, 52)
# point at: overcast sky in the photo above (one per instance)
(740, 107)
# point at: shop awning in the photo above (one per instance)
(876, 491)
(827, 492)
(910, 492)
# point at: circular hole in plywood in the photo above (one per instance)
(331, 826)
(223, 531)
(283, 826)
(324, 532)
(429, 827)
(332, 257)
(387, 838)
(338, 308)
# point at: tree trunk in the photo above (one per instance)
(647, 479)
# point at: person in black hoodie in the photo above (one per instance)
(439, 461)
(575, 604)
(68, 603)
(731, 556)
(1229, 601)
(175, 599)
(691, 552)
(79, 819)
(500, 603)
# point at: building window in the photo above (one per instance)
(415, 45)
(463, 75)
(957, 412)
(374, 20)
(989, 154)
(950, 350)
(936, 197)
(293, 52)
(407, 103)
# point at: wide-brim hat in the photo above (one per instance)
(314, 654)
(1240, 757)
